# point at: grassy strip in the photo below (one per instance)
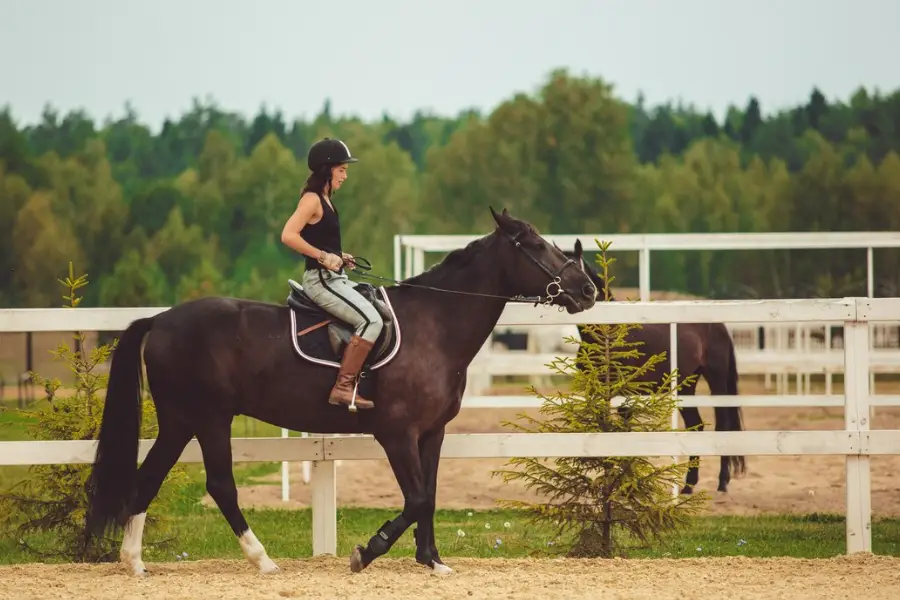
(202, 533)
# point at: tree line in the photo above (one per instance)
(197, 207)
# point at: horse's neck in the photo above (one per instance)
(464, 320)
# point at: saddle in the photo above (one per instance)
(320, 338)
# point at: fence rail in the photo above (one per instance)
(677, 311)
(497, 445)
(409, 250)
(856, 441)
(758, 363)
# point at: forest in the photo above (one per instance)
(197, 207)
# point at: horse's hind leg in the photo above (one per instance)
(426, 549)
(215, 442)
(403, 454)
(723, 423)
(169, 444)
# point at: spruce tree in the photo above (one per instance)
(598, 505)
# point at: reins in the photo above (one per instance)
(362, 269)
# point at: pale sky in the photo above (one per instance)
(396, 56)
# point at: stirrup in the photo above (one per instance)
(352, 406)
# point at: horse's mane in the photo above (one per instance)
(455, 260)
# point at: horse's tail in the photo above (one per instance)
(735, 418)
(112, 482)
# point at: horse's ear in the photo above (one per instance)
(501, 219)
(578, 249)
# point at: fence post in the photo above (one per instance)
(673, 366)
(324, 507)
(856, 418)
(285, 474)
(644, 273)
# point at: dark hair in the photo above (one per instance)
(318, 181)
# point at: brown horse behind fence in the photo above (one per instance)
(704, 349)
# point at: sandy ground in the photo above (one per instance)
(772, 484)
(871, 577)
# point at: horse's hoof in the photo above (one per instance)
(440, 569)
(687, 490)
(268, 567)
(357, 563)
(138, 570)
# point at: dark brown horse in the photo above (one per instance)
(704, 349)
(211, 359)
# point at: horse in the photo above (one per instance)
(210, 359)
(704, 349)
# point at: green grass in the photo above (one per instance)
(13, 427)
(203, 534)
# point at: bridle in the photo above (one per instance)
(553, 289)
(555, 276)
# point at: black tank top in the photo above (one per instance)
(324, 235)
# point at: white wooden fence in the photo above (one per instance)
(409, 250)
(856, 441)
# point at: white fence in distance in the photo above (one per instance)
(410, 251)
(856, 441)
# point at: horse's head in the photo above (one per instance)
(578, 256)
(533, 267)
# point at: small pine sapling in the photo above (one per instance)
(45, 512)
(597, 505)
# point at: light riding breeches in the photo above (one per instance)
(335, 294)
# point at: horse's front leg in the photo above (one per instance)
(430, 456)
(403, 454)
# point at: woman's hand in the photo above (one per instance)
(348, 260)
(330, 261)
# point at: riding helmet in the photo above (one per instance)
(328, 152)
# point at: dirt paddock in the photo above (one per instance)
(871, 577)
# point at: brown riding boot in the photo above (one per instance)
(356, 352)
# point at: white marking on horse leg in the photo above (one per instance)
(256, 553)
(130, 553)
(440, 569)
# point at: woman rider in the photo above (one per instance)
(314, 231)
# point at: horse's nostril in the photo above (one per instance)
(588, 290)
